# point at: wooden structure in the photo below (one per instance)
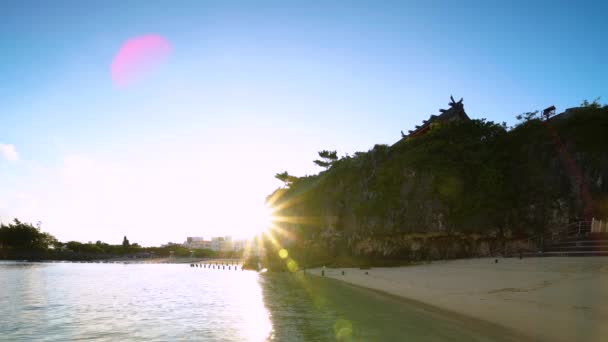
(454, 113)
(548, 112)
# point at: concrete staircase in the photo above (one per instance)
(586, 244)
(575, 239)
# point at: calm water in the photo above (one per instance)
(167, 302)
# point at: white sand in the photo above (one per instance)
(548, 299)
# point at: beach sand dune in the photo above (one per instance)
(547, 299)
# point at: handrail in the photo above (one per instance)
(579, 227)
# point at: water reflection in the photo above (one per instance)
(59, 302)
(256, 324)
(146, 302)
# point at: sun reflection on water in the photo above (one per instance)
(256, 325)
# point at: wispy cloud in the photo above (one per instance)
(9, 152)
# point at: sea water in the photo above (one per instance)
(169, 302)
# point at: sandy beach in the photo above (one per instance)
(546, 299)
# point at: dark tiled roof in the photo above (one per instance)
(454, 113)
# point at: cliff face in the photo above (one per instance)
(454, 191)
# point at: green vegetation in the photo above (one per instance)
(22, 241)
(461, 189)
(328, 158)
(286, 178)
(24, 236)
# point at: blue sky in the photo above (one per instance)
(252, 88)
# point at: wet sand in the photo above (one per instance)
(546, 299)
(309, 308)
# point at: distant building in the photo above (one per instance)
(218, 243)
(222, 243)
(196, 242)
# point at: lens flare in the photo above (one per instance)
(137, 57)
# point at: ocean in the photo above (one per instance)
(174, 302)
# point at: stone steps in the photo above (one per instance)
(589, 244)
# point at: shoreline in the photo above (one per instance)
(132, 261)
(480, 326)
(543, 299)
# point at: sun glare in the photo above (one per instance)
(261, 220)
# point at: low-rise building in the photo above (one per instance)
(218, 243)
(221, 243)
(195, 242)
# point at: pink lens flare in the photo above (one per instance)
(138, 56)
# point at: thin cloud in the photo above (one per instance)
(9, 152)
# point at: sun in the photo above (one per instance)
(249, 221)
(260, 220)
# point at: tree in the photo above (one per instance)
(595, 104)
(74, 246)
(328, 158)
(286, 178)
(24, 236)
(125, 242)
(528, 116)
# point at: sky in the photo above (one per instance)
(242, 90)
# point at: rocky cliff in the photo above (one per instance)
(457, 190)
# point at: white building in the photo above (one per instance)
(218, 243)
(196, 242)
(222, 243)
